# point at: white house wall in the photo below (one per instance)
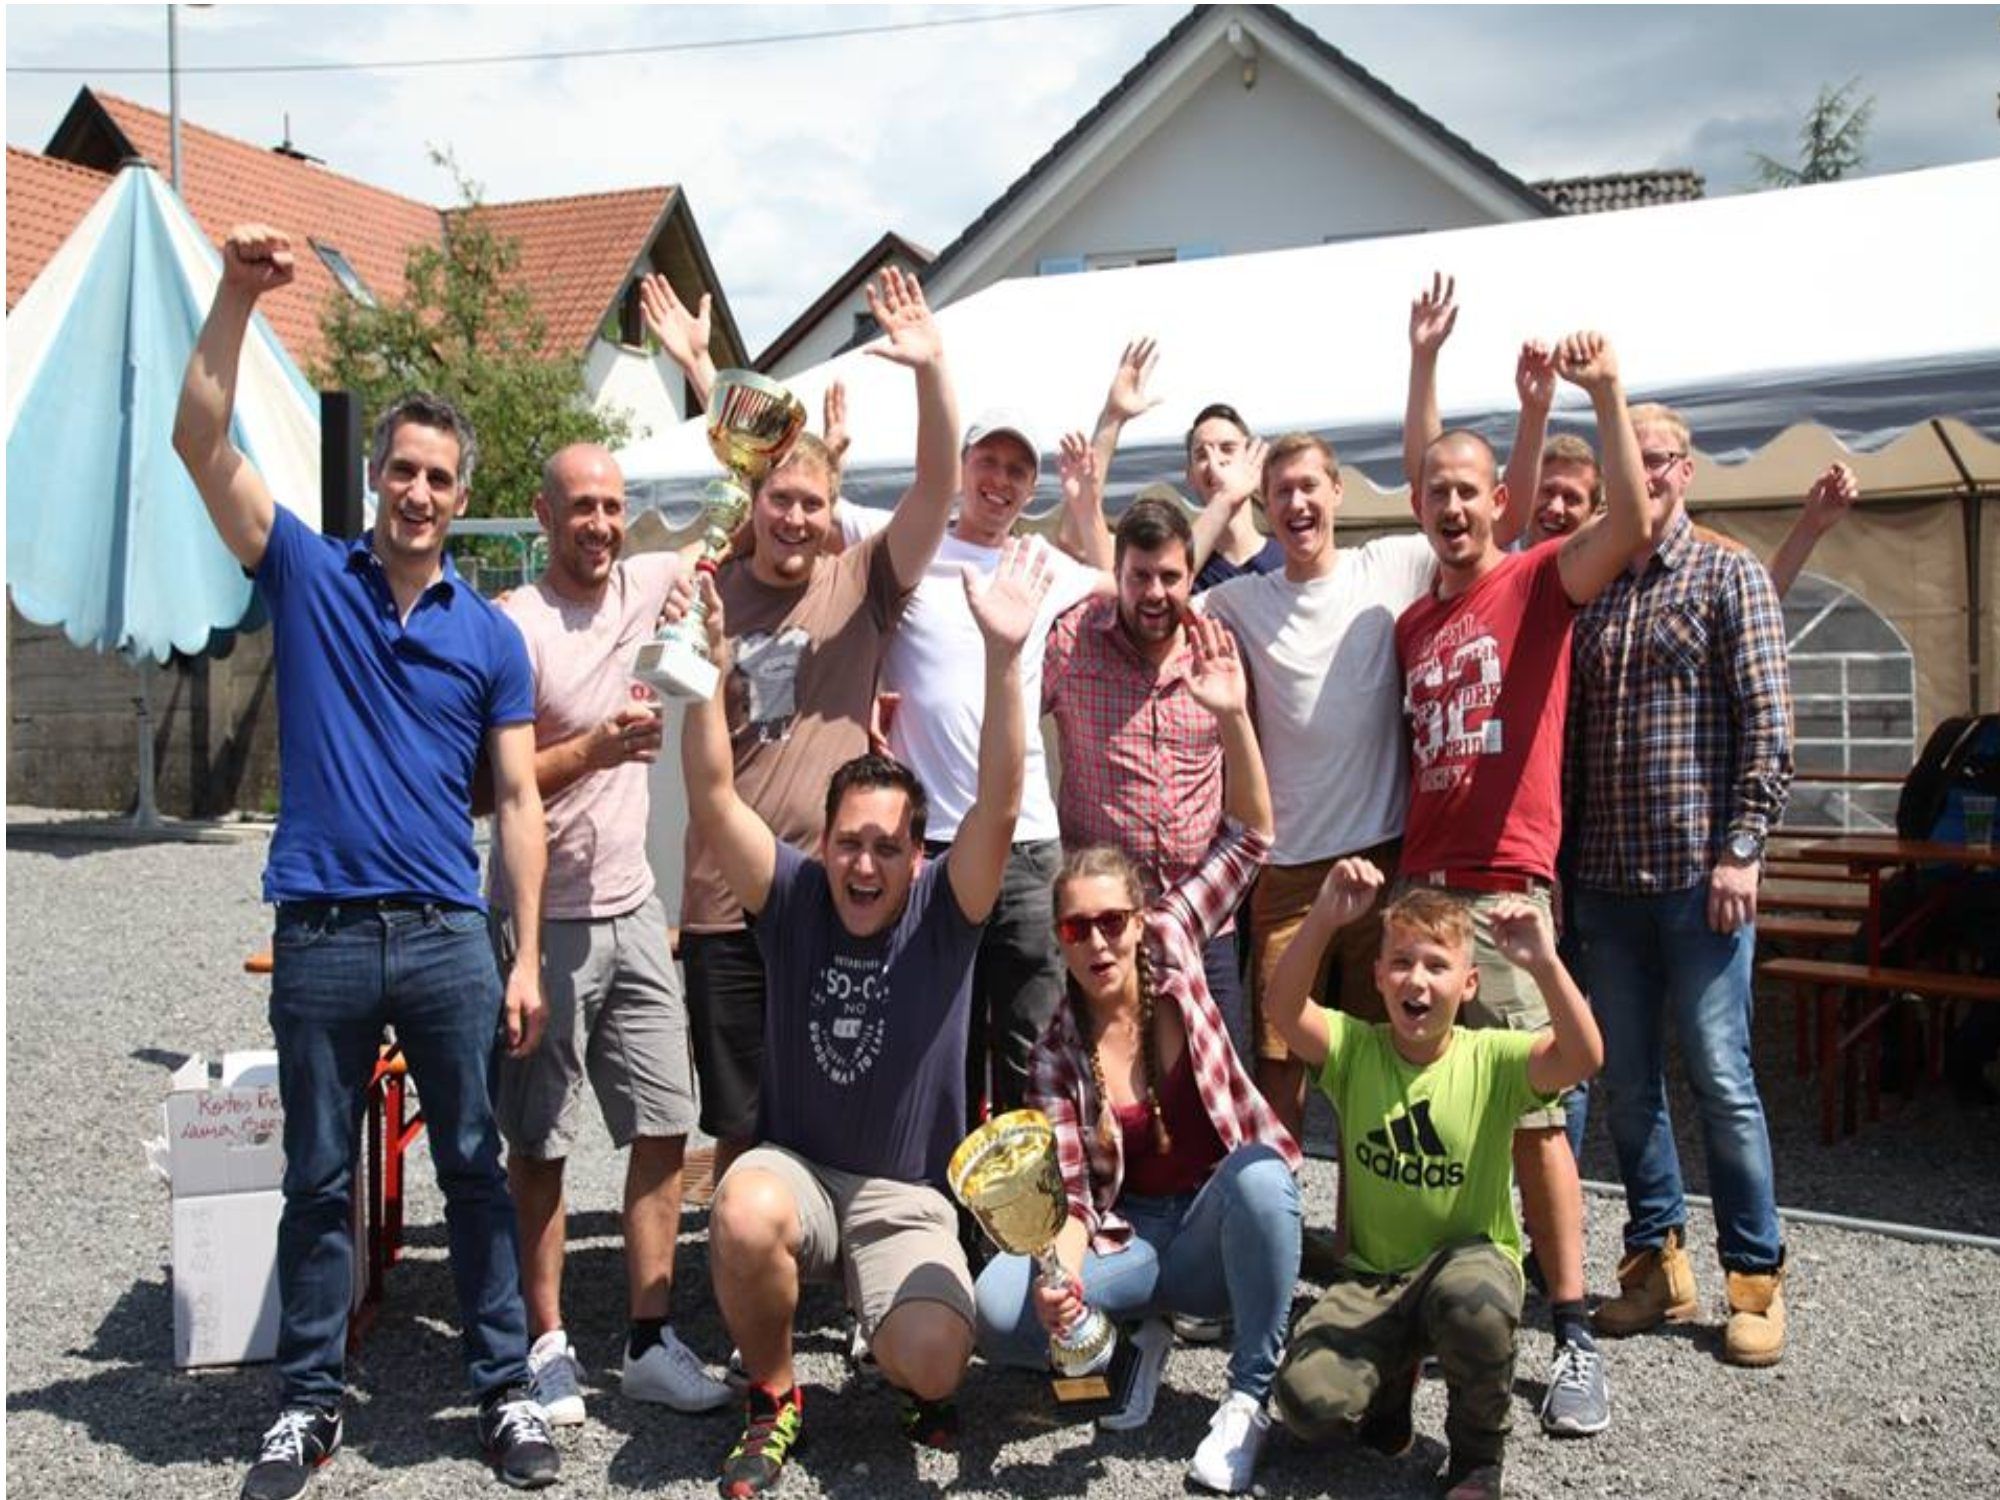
(1234, 170)
(647, 388)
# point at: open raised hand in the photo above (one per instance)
(682, 334)
(1215, 676)
(1587, 359)
(910, 335)
(1434, 314)
(833, 421)
(1005, 603)
(1832, 496)
(257, 259)
(1127, 397)
(1076, 467)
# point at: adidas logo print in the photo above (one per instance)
(1407, 1149)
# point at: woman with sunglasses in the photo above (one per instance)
(1168, 1151)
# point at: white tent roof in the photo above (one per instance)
(1867, 308)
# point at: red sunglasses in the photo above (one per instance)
(1110, 926)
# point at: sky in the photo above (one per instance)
(797, 155)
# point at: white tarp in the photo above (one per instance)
(1865, 307)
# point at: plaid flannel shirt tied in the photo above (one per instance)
(1059, 1081)
(1679, 718)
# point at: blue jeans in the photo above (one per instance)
(340, 972)
(1649, 961)
(1175, 1263)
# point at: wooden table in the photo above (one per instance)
(1873, 856)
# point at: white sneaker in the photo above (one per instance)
(1152, 1338)
(1227, 1457)
(671, 1374)
(552, 1378)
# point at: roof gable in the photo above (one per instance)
(46, 199)
(892, 247)
(1190, 52)
(577, 253)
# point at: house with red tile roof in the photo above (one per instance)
(581, 257)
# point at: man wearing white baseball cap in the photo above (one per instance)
(933, 668)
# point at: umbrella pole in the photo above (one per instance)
(146, 815)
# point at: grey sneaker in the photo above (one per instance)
(1192, 1330)
(672, 1374)
(515, 1432)
(1579, 1401)
(552, 1379)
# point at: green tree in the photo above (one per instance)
(466, 329)
(1832, 140)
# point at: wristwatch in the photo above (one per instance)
(1744, 847)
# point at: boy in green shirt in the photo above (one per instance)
(1427, 1112)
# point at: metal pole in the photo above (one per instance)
(1920, 1233)
(174, 97)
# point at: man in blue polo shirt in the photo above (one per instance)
(392, 677)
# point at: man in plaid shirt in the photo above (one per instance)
(1141, 760)
(1679, 764)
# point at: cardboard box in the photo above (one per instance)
(224, 1155)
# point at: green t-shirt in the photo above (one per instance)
(1426, 1152)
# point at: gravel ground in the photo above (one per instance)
(122, 958)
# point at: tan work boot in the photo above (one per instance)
(1756, 1332)
(1654, 1287)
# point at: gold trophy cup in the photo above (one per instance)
(1007, 1176)
(751, 422)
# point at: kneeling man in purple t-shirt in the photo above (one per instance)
(869, 951)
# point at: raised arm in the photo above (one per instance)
(1432, 317)
(255, 260)
(1005, 606)
(911, 340)
(1832, 496)
(1217, 682)
(1088, 537)
(1572, 1049)
(1344, 895)
(1081, 532)
(1535, 384)
(681, 334)
(744, 849)
(520, 842)
(1595, 554)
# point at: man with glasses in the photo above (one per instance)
(1679, 764)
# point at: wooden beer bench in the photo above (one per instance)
(390, 1127)
(1841, 990)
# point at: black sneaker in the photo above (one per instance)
(771, 1429)
(1387, 1427)
(300, 1441)
(929, 1424)
(515, 1432)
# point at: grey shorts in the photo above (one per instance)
(887, 1242)
(615, 1013)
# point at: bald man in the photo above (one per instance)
(616, 1011)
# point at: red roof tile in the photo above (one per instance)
(46, 199)
(226, 182)
(577, 252)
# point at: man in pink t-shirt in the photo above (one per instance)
(1485, 659)
(616, 1012)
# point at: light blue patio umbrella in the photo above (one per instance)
(106, 537)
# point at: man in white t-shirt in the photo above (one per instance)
(1319, 639)
(616, 1013)
(933, 666)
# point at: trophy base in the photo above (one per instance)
(674, 671)
(1084, 1398)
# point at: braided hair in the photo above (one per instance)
(1104, 861)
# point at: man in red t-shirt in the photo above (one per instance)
(1485, 660)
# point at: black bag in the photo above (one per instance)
(1962, 755)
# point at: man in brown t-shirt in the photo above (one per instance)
(806, 631)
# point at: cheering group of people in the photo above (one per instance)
(1374, 820)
